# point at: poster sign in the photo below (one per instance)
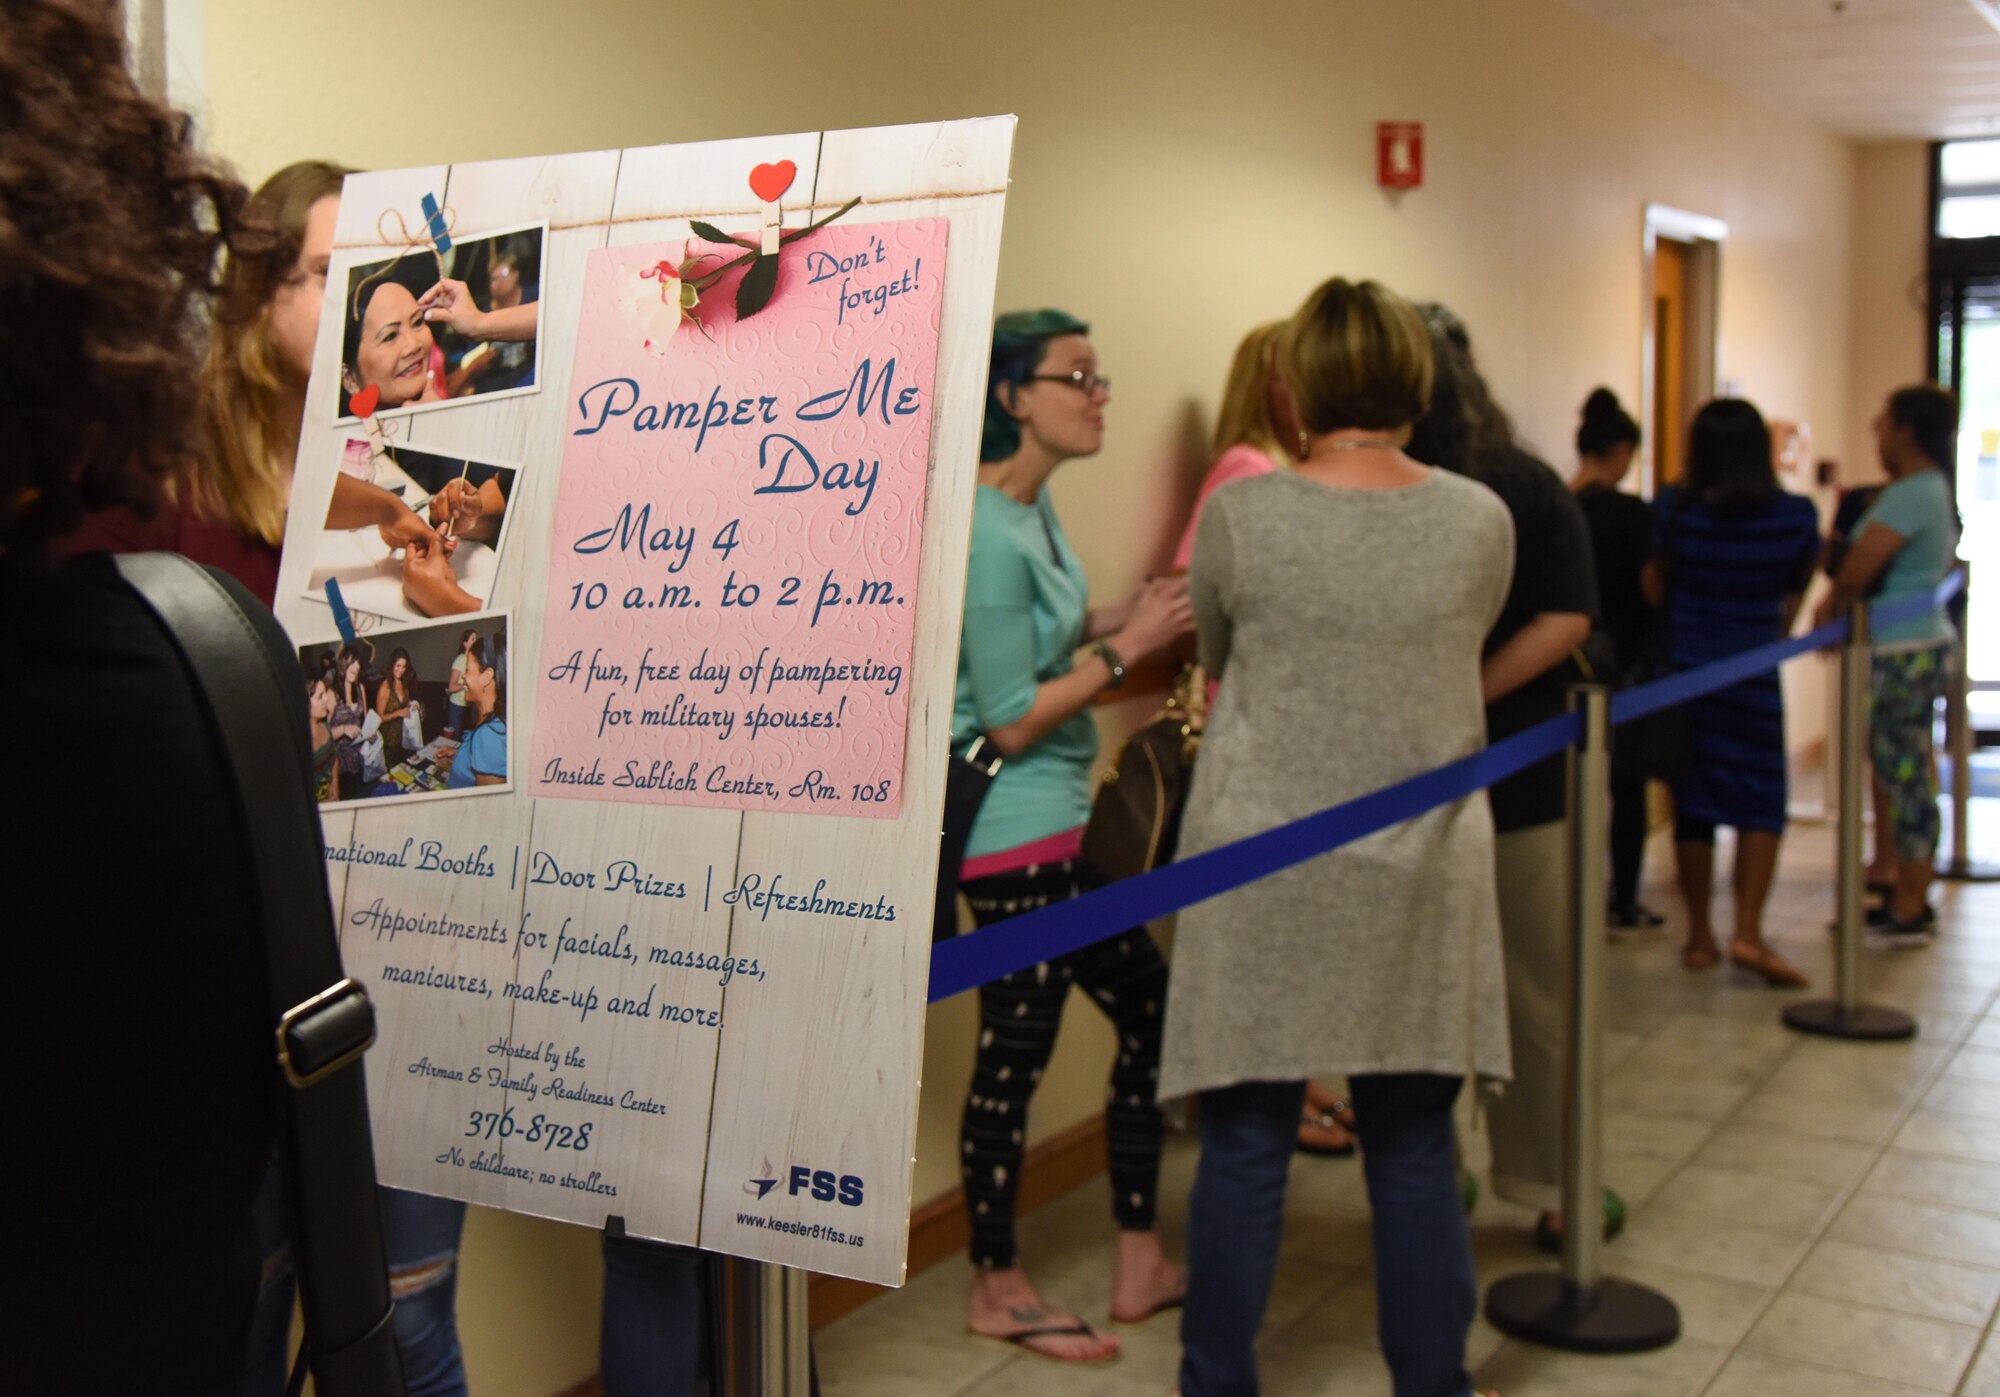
(652, 560)
(734, 557)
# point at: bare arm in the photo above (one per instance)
(1160, 616)
(1531, 652)
(1866, 560)
(357, 504)
(450, 303)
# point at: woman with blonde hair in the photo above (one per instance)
(1256, 431)
(226, 505)
(253, 380)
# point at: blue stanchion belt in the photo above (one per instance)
(974, 959)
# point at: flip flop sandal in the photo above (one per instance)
(1163, 1308)
(1021, 1339)
(1324, 1120)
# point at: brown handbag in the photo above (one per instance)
(1135, 820)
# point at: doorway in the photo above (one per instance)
(1679, 352)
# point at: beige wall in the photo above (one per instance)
(1177, 179)
(1888, 322)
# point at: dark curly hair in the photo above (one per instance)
(110, 228)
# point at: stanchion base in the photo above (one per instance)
(1870, 1022)
(1613, 1316)
(1971, 871)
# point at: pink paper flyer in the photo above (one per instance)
(732, 571)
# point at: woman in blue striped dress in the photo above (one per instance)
(1733, 553)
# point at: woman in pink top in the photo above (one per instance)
(1257, 432)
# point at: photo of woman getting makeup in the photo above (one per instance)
(426, 329)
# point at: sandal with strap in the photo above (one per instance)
(1316, 1132)
(1023, 1339)
(1768, 966)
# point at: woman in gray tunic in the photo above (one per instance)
(1344, 604)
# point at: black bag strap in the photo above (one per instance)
(323, 1020)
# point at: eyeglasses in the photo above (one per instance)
(1088, 381)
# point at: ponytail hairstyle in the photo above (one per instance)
(242, 478)
(490, 654)
(1931, 414)
(1606, 425)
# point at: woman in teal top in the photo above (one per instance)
(1024, 687)
(1906, 540)
(481, 759)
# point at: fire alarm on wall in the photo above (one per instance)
(1399, 154)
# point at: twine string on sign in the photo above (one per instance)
(405, 244)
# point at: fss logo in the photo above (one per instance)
(821, 1185)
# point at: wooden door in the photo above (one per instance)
(1670, 328)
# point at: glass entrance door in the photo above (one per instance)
(1971, 360)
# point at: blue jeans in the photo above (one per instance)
(654, 1332)
(420, 1235)
(1425, 1293)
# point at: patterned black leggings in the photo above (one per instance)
(1018, 1017)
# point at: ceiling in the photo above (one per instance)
(1864, 68)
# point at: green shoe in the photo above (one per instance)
(1548, 1239)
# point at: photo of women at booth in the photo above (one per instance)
(1025, 686)
(1348, 661)
(419, 336)
(387, 696)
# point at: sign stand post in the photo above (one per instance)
(1578, 1307)
(762, 1339)
(1844, 1016)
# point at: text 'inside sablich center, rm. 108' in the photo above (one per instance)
(642, 877)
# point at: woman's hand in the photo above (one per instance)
(404, 529)
(458, 506)
(450, 304)
(430, 586)
(1161, 616)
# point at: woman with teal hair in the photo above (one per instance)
(1025, 684)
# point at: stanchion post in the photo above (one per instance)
(1845, 1016)
(1579, 1308)
(1959, 740)
(761, 1335)
(1583, 1143)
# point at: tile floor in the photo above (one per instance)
(1825, 1214)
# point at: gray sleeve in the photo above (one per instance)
(1211, 582)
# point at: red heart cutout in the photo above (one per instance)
(363, 404)
(767, 182)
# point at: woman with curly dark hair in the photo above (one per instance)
(138, 966)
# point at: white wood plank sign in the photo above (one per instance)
(685, 655)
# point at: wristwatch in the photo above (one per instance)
(1112, 662)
